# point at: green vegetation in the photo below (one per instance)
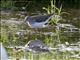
(41, 56)
(57, 11)
(7, 4)
(53, 9)
(37, 5)
(10, 38)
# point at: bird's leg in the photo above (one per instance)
(36, 56)
(58, 36)
(35, 31)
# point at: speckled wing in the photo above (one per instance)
(38, 18)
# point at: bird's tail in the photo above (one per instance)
(49, 17)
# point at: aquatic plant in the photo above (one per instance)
(7, 4)
(53, 9)
(57, 11)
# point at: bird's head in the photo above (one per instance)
(27, 20)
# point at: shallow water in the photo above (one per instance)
(18, 34)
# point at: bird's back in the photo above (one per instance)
(39, 18)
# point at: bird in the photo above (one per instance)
(3, 53)
(38, 21)
(36, 46)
